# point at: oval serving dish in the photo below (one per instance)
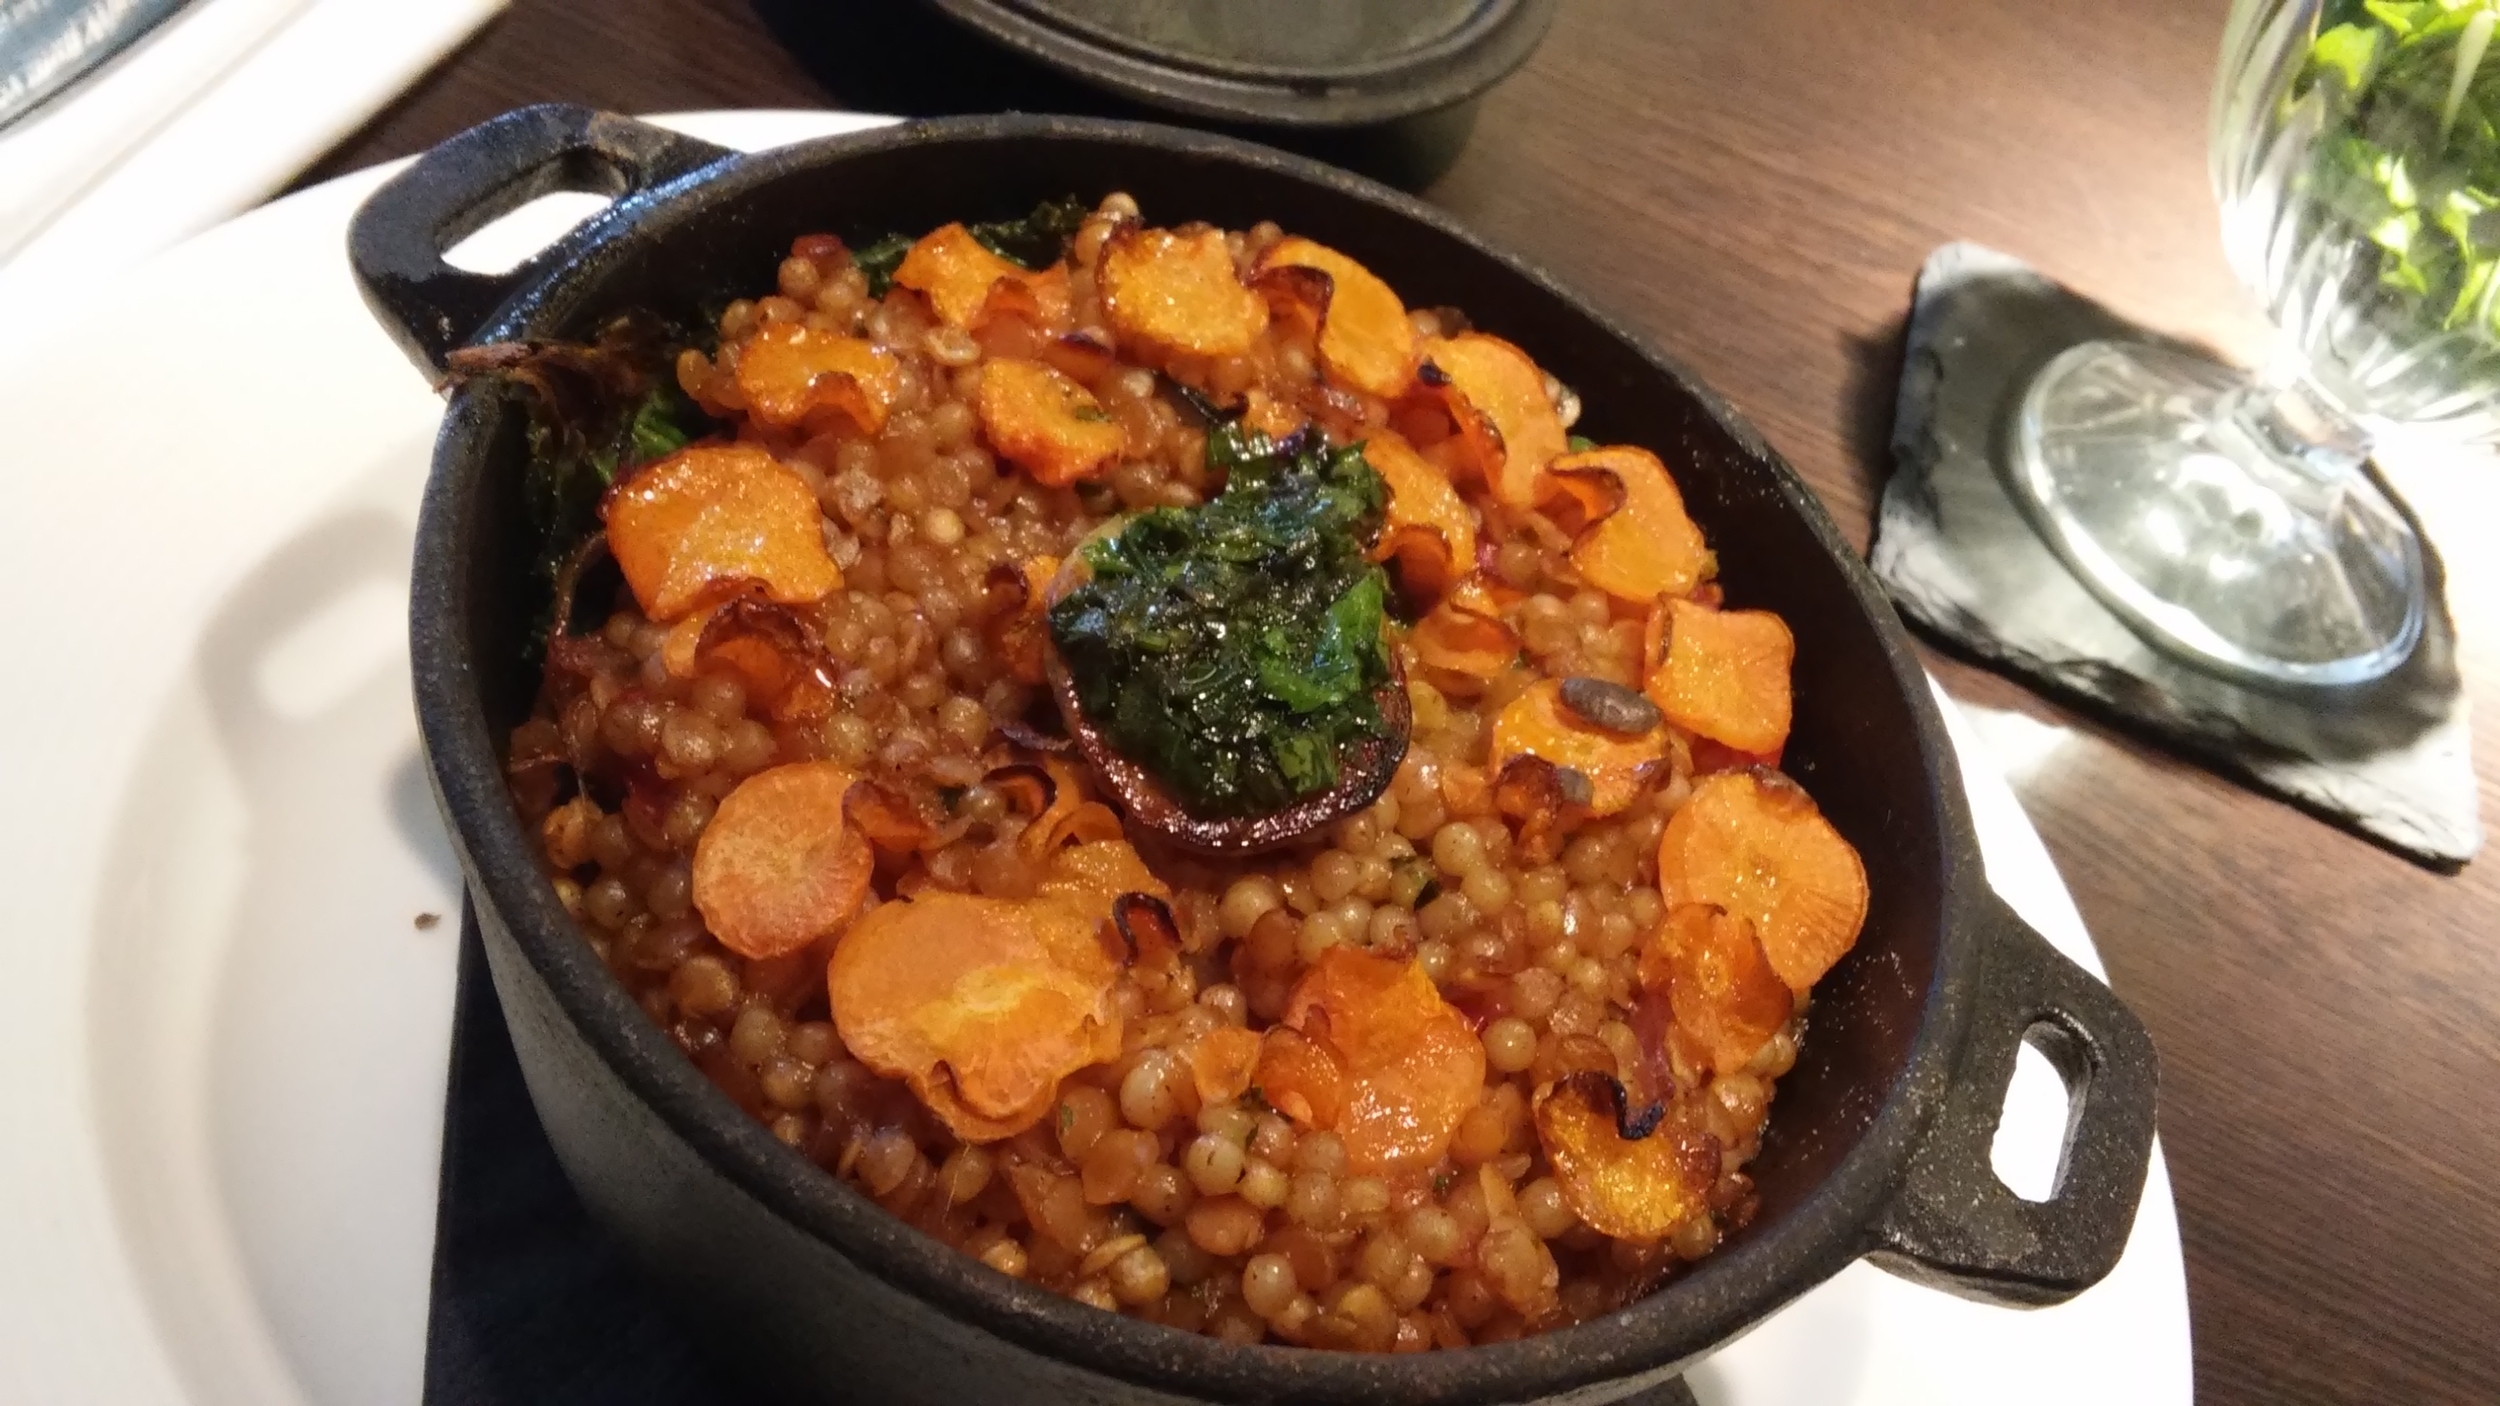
(1877, 1147)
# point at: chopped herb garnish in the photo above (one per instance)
(877, 262)
(1581, 444)
(1233, 649)
(1038, 240)
(596, 410)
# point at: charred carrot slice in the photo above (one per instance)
(1048, 425)
(955, 272)
(1650, 547)
(1300, 1078)
(1414, 1067)
(714, 520)
(778, 867)
(1178, 292)
(792, 374)
(1753, 844)
(1632, 1188)
(1041, 299)
(1718, 983)
(1467, 634)
(1497, 397)
(1365, 341)
(981, 1005)
(1541, 723)
(1095, 872)
(1724, 674)
(1428, 530)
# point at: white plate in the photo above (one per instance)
(223, 1012)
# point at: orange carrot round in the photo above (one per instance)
(1538, 724)
(1649, 547)
(1718, 982)
(1178, 292)
(1753, 844)
(792, 374)
(1724, 674)
(1413, 1067)
(715, 519)
(778, 867)
(1366, 342)
(981, 1005)
(1046, 424)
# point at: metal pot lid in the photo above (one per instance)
(1296, 63)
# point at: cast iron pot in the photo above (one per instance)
(1878, 1145)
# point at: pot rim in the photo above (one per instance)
(1699, 1310)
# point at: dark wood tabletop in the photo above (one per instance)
(1755, 185)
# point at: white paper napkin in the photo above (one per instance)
(203, 118)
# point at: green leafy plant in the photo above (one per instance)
(1233, 649)
(2411, 156)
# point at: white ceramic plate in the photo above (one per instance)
(230, 930)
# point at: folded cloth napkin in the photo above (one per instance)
(2390, 760)
(204, 117)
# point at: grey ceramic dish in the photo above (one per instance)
(1878, 1146)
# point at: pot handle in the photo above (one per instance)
(396, 243)
(1953, 1224)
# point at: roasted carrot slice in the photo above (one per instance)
(1178, 292)
(1300, 1078)
(1041, 299)
(1413, 1065)
(765, 645)
(1093, 873)
(1753, 844)
(1632, 1188)
(1718, 983)
(778, 867)
(1497, 397)
(981, 1005)
(791, 374)
(955, 272)
(1223, 1061)
(1539, 723)
(1365, 342)
(1724, 674)
(1050, 426)
(1467, 634)
(1429, 529)
(1070, 816)
(714, 520)
(1650, 548)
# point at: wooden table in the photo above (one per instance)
(1756, 185)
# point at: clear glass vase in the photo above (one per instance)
(2228, 518)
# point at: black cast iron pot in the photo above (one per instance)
(1878, 1145)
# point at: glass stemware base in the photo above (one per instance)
(2245, 546)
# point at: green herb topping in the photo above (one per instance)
(596, 409)
(1232, 649)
